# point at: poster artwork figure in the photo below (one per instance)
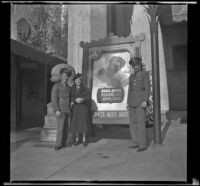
(112, 75)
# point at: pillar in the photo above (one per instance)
(13, 92)
(140, 23)
(78, 30)
(85, 23)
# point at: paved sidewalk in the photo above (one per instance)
(107, 157)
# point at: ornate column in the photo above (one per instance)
(152, 11)
(79, 29)
(85, 23)
(13, 92)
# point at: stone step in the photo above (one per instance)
(50, 122)
(48, 134)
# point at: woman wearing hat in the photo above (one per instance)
(60, 99)
(80, 97)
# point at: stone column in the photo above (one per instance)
(98, 22)
(13, 92)
(85, 23)
(139, 23)
(79, 29)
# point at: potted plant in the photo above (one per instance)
(149, 110)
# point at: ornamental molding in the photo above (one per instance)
(112, 39)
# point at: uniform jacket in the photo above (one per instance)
(60, 97)
(139, 88)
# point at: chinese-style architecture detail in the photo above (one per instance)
(23, 30)
(179, 13)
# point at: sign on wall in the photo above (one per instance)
(110, 95)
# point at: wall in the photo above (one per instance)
(175, 35)
(18, 12)
(13, 89)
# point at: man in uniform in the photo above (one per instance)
(60, 98)
(138, 95)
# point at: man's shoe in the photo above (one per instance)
(57, 147)
(141, 149)
(68, 145)
(85, 144)
(133, 146)
(76, 143)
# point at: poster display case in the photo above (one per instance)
(106, 72)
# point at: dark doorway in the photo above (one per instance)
(178, 79)
(31, 97)
(180, 57)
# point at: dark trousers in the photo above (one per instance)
(138, 126)
(63, 135)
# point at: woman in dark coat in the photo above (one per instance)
(80, 95)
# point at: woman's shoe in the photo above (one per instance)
(133, 146)
(141, 149)
(69, 145)
(57, 147)
(76, 143)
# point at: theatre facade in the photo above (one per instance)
(99, 26)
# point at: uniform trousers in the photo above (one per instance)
(138, 126)
(63, 135)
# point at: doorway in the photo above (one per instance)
(178, 79)
(31, 97)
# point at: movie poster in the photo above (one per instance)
(110, 84)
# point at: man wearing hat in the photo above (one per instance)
(138, 95)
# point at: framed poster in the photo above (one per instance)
(106, 71)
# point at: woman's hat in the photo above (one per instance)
(78, 75)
